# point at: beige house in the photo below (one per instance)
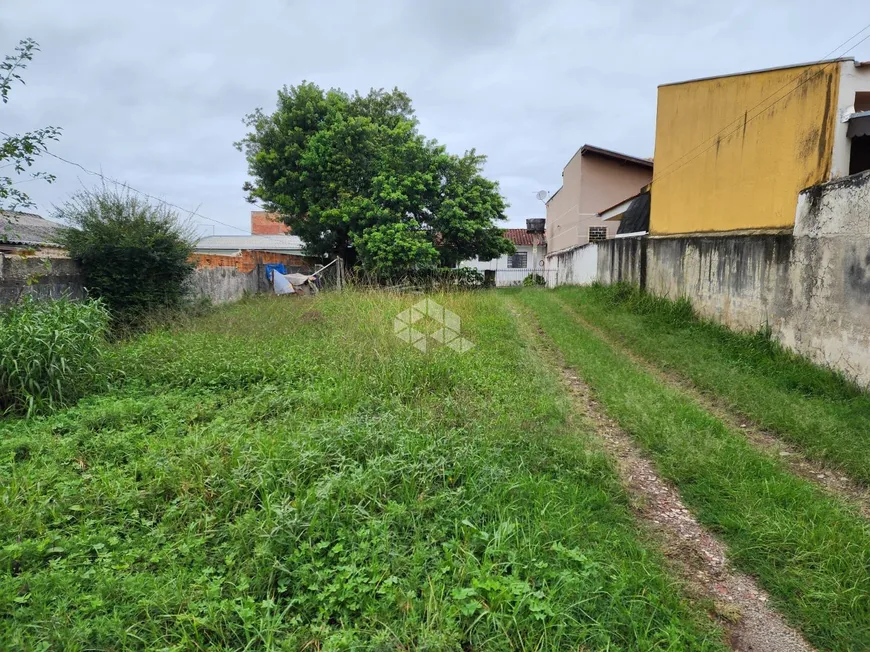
(593, 180)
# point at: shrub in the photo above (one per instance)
(134, 255)
(49, 353)
(533, 280)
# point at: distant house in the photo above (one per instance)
(29, 234)
(512, 270)
(594, 179)
(246, 252)
(732, 152)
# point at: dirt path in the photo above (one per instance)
(700, 559)
(833, 481)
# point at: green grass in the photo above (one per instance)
(809, 551)
(273, 478)
(818, 410)
(50, 353)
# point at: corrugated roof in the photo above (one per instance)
(28, 229)
(252, 243)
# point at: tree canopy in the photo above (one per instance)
(20, 151)
(352, 176)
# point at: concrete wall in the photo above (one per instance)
(621, 260)
(577, 266)
(733, 152)
(224, 284)
(52, 278)
(811, 288)
(47, 278)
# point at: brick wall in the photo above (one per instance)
(247, 261)
(263, 223)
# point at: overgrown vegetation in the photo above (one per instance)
(808, 550)
(290, 475)
(819, 410)
(135, 256)
(353, 177)
(50, 353)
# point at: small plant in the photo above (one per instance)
(135, 255)
(49, 353)
(533, 280)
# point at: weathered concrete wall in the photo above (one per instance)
(223, 284)
(52, 278)
(46, 278)
(622, 260)
(576, 266)
(811, 289)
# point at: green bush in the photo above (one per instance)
(533, 280)
(49, 353)
(134, 255)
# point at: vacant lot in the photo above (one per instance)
(291, 475)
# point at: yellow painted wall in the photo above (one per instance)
(748, 178)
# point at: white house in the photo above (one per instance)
(513, 270)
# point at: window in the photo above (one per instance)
(597, 233)
(519, 260)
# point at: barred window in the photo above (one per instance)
(519, 260)
(597, 233)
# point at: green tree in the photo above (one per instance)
(352, 176)
(19, 152)
(134, 255)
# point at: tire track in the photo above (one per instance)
(698, 557)
(833, 481)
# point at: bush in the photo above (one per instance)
(49, 353)
(134, 255)
(533, 280)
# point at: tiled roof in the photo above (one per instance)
(519, 236)
(251, 243)
(28, 229)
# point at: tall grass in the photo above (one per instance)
(49, 353)
(290, 475)
(817, 409)
(809, 550)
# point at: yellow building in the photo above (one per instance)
(733, 152)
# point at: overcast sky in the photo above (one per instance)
(154, 93)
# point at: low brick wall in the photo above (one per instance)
(247, 261)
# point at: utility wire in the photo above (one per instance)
(144, 194)
(739, 122)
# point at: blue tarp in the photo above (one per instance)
(271, 267)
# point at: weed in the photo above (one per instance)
(50, 353)
(270, 479)
(807, 549)
(815, 408)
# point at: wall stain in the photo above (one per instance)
(858, 277)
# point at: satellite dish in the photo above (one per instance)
(542, 195)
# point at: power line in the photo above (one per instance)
(739, 122)
(144, 194)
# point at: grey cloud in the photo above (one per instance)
(154, 93)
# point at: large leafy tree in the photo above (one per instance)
(19, 152)
(352, 176)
